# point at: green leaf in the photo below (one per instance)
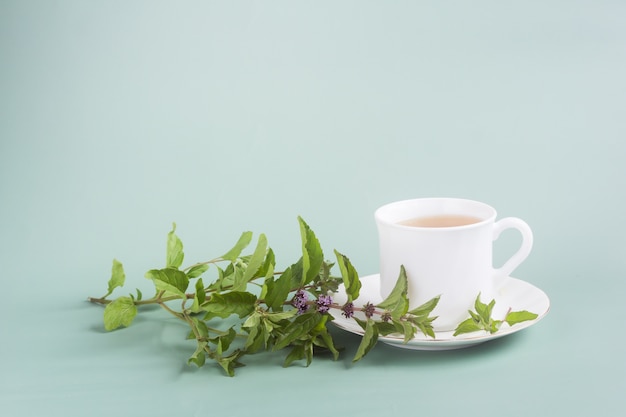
(199, 356)
(397, 302)
(255, 340)
(255, 262)
(484, 310)
(296, 274)
(370, 337)
(424, 324)
(408, 330)
(201, 328)
(259, 330)
(119, 312)
(242, 243)
(278, 290)
(467, 326)
(515, 317)
(230, 362)
(117, 277)
(197, 270)
(223, 305)
(280, 316)
(296, 353)
(494, 326)
(252, 321)
(170, 280)
(225, 278)
(223, 342)
(350, 277)
(267, 269)
(385, 328)
(298, 328)
(426, 308)
(199, 297)
(328, 343)
(308, 352)
(312, 255)
(175, 253)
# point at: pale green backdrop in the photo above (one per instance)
(118, 118)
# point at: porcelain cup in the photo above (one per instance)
(453, 262)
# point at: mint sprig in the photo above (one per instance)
(246, 307)
(480, 318)
(238, 304)
(392, 316)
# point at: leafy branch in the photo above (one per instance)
(248, 307)
(480, 318)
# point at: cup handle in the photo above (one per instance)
(524, 250)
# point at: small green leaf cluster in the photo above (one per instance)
(396, 318)
(480, 318)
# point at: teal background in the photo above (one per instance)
(118, 118)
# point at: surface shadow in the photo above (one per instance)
(391, 356)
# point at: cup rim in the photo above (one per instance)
(381, 219)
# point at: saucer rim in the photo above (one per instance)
(444, 340)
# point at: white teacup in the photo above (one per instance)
(443, 255)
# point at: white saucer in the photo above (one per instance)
(510, 293)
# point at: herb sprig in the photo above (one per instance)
(248, 307)
(481, 318)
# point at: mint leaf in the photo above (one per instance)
(327, 342)
(312, 255)
(484, 310)
(267, 269)
(235, 302)
(197, 270)
(515, 317)
(407, 329)
(199, 297)
(468, 326)
(296, 353)
(230, 362)
(198, 358)
(280, 316)
(481, 319)
(201, 330)
(425, 324)
(175, 253)
(119, 313)
(242, 243)
(117, 277)
(278, 290)
(296, 274)
(397, 302)
(385, 328)
(370, 337)
(254, 263)
(223, 342)
(298, 328)
(169, 280)
(256, 339)
(350, 277)
(420, 317)
(426, 308)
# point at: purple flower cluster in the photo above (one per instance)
(323, 303)
(369, 309)
(348, 310)
(300, 301)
